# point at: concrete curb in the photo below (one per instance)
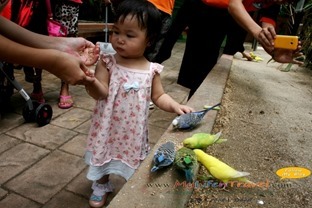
(165, 188)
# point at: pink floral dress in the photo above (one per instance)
(119, 126)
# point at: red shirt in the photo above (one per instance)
(254, 5)
(77, 1)
(6, 12)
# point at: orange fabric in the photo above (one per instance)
(217, 3)
(164, 5)
(249, 6)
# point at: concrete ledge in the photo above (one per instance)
(146, 189)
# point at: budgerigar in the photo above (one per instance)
(202, 140)
(190, 120)
(219, 169)
(255, 57)
(164, 156)
(186, 160)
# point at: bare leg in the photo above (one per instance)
(66, 100)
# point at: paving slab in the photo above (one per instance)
(16, 201)
(66, 199)
(18, 158)
(7, 142)
(48, 136)
(47, 177)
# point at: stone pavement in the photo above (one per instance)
(43, 166)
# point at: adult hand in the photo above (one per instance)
(287, 56)
(82, 48)
(73, 70)
(266, 38)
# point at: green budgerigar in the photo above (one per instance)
(186, 160)
(202, 140)
(219, 169)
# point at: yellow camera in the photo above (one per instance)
(286, 42)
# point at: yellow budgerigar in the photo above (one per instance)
(255, 57)
(202, 140)
(219, 169)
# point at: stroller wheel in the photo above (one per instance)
(28, 114)
(43, 114)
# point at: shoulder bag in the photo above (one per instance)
(54, 28)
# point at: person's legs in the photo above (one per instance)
(179, 23)
(65, 100)
(206, 33)
(235, 39)
(34, 75)
(67, 13)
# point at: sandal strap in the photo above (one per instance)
(96, 198)
(101, 189)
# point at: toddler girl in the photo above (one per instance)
(124, 85)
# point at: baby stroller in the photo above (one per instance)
(33, 111)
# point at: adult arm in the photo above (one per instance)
(263, 35)
(79, 47)
(61, 64)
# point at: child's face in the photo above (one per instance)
(128, 39)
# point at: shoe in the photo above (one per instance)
(65, 102)
(37, 96)
(100, 193)
(151, 105)
(97, 201)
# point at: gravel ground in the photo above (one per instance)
(266, 115)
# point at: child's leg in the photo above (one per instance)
(101, 188)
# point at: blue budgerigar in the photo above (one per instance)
(190, 120)
(164, 156)
(186, 160)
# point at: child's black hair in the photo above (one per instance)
(146, 13)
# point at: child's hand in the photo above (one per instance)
(182, 109)
(82, 48)
(90, 72)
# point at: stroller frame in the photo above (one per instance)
(33, 110)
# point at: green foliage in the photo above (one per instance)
(307, 33)
(298, 17)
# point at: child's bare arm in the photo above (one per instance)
(99, 88)
(164, 101)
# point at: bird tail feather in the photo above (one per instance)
(189, 175)
(154, 168)
(218, 139)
